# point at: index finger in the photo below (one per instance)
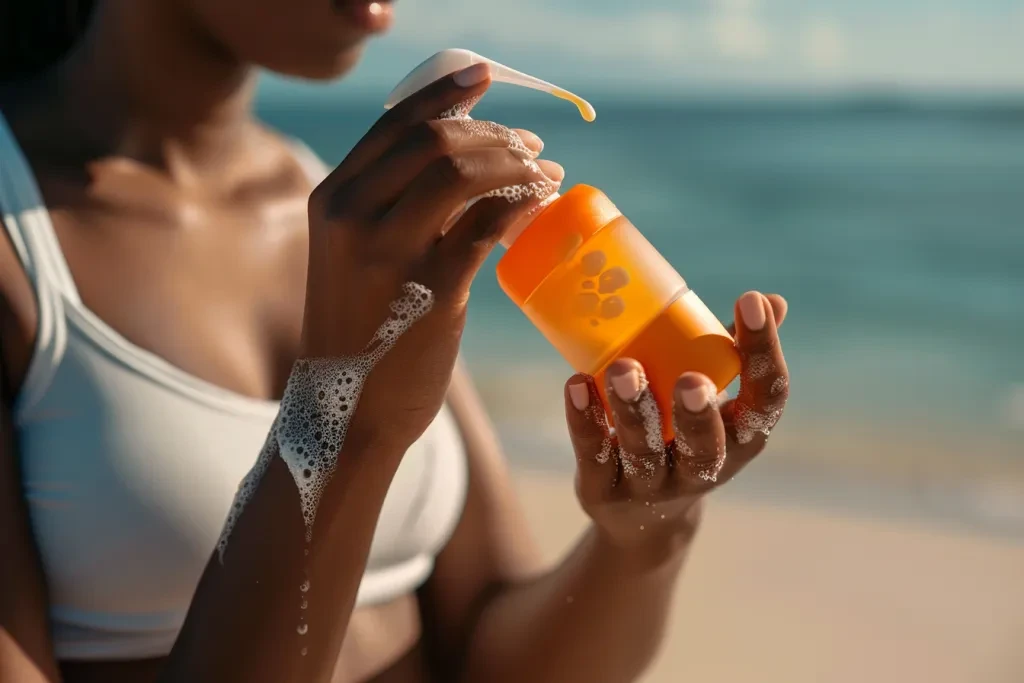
(764, 382)
(461, 90)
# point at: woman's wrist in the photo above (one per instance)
(651, 548)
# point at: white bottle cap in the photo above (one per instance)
(449, 61)
(517, 228)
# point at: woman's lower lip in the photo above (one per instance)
(374, 17)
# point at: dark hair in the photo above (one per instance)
(35, 34)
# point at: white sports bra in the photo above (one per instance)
(129, 464)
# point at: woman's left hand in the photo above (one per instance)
(640, 494)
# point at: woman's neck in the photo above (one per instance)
(147, 83)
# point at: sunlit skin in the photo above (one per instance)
(163, 150)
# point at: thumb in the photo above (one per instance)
(464, 248)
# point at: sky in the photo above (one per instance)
(736, 46)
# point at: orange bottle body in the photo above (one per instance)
(598, 291)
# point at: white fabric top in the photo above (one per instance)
(129, 464)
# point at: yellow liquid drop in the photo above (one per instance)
(587, 110)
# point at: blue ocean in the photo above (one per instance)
(895, 230)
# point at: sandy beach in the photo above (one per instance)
(789, 594)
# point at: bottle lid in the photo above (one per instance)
(449, 61)
(552, 237)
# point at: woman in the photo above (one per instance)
(167, 261)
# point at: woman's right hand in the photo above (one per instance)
(381, 220)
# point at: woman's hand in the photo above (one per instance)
(644, 497)
(383, 220)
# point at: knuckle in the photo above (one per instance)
(316, 205)
(761, 344)
(589, 448)
(523, 161)
(642, 464)
(501, 132)
(399, 115)
(433, 136)
(452, 169)
(699, 428)
(773, 391)
(778, 389)
(627, 416)
(333, 212)
(341, 210)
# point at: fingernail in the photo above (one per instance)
(472, 75)
(579, 394)
(627, 383)
(696, 399)
(553, 170)
(752, 311)
(532, 141)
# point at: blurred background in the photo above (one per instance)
(866, 160)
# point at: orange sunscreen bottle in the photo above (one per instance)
(590, 281)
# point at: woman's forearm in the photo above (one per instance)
(244, 620)
(598, 617)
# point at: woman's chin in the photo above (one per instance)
(323, 67)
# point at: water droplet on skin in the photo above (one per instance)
(593, 263)
(641, 527)
(302, 629)
(612, 280)
(305, 586)
(663, 516)
(303, 652)
(569, 599)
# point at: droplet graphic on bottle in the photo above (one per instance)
(612, 280)
(593, 263)
(586, 304)
(612, 307)
(303, 628)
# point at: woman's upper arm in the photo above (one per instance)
(491, 545)
(26, 653)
